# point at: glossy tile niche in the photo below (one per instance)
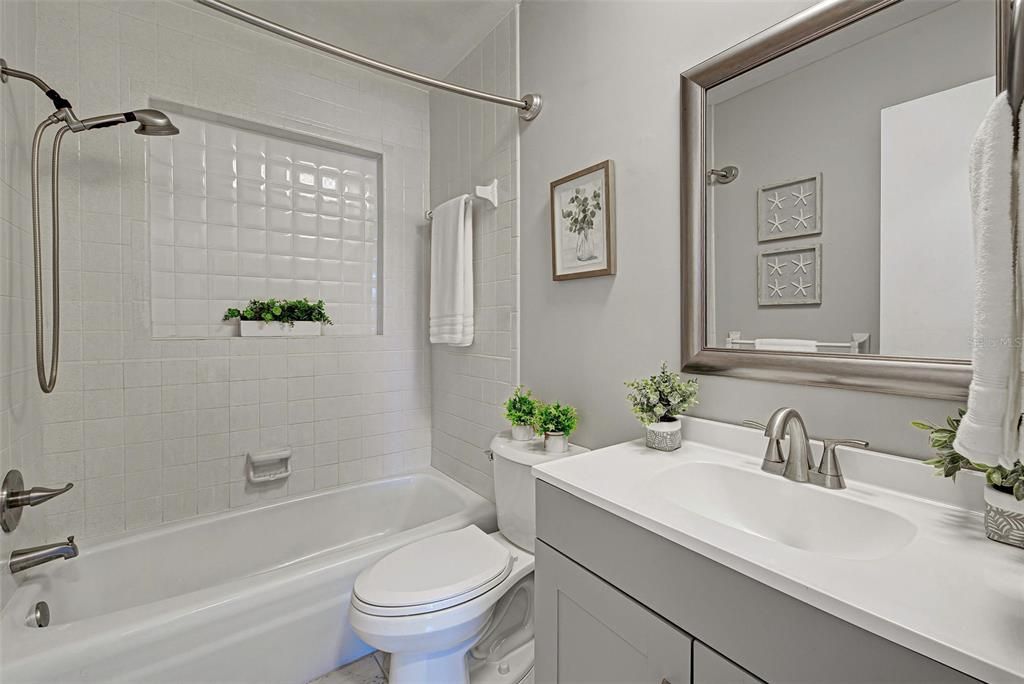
(238, 213)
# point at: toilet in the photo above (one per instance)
(457, 607)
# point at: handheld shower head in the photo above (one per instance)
(151, 122)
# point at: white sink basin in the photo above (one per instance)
(799, 515)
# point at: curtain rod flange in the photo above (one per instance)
(533, 103)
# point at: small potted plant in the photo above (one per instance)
(657, 402)
(280, 317)
(519, 410)
(556, 422)
(1004, 491)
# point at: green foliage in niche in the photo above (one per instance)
(282, 310)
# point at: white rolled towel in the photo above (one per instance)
(987, 432)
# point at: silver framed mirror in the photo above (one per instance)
(891, 339)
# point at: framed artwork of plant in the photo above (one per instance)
(583, 223)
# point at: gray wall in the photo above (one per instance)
(609, 73)
(825, 118)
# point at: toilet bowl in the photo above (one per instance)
(458, 607)
(429, 603)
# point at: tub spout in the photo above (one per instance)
(23, 559)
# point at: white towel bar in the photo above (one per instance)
(487, 192)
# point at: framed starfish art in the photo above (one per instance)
(790, 276)
(790, 209)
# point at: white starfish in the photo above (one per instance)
(801, 286)
(801, 196)
(776, 289)
(776, 200)
(775, 267)
(801, 265)
(801, 220)
(776, 224)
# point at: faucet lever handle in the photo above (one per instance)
(773, 457)
(36, 495)
(831, 473)
(831, 443)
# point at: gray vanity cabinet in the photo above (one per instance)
(595, 634)
(618, 603)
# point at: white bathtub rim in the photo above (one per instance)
(96, 543)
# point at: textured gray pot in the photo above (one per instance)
(1004, 517)
(664, 436)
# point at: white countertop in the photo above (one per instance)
(950, 594)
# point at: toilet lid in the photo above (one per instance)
(434, 573)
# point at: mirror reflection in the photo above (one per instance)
(846, 229)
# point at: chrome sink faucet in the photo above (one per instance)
(23, 559)
(798, 465)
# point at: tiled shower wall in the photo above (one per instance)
(472, 143)
(152, 431)
(20, 438)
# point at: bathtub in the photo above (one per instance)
(254, 595)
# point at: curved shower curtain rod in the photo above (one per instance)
(529, 105)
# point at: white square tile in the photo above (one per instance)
(222, 237)
(221, 186)
(251, 191)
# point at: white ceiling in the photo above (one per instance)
(429, 36)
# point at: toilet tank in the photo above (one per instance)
(514, 495)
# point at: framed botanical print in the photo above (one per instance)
(583, 223)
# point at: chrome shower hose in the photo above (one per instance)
(47, 381)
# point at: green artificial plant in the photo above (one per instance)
(948, 462)
(555, 418)
(661, 397)
(282, 311)
(521, 407)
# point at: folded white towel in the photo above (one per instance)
(451, 273)
(781, 344)
(985, 433)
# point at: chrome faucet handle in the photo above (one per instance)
(14, 497)
(829, 475)
(773, 461)
(36, 495)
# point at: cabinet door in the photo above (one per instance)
(711, 668)
(588, 632)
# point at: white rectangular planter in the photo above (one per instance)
(276, 329)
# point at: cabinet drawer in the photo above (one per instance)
(588, 632)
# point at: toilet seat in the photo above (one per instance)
(433, 574)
